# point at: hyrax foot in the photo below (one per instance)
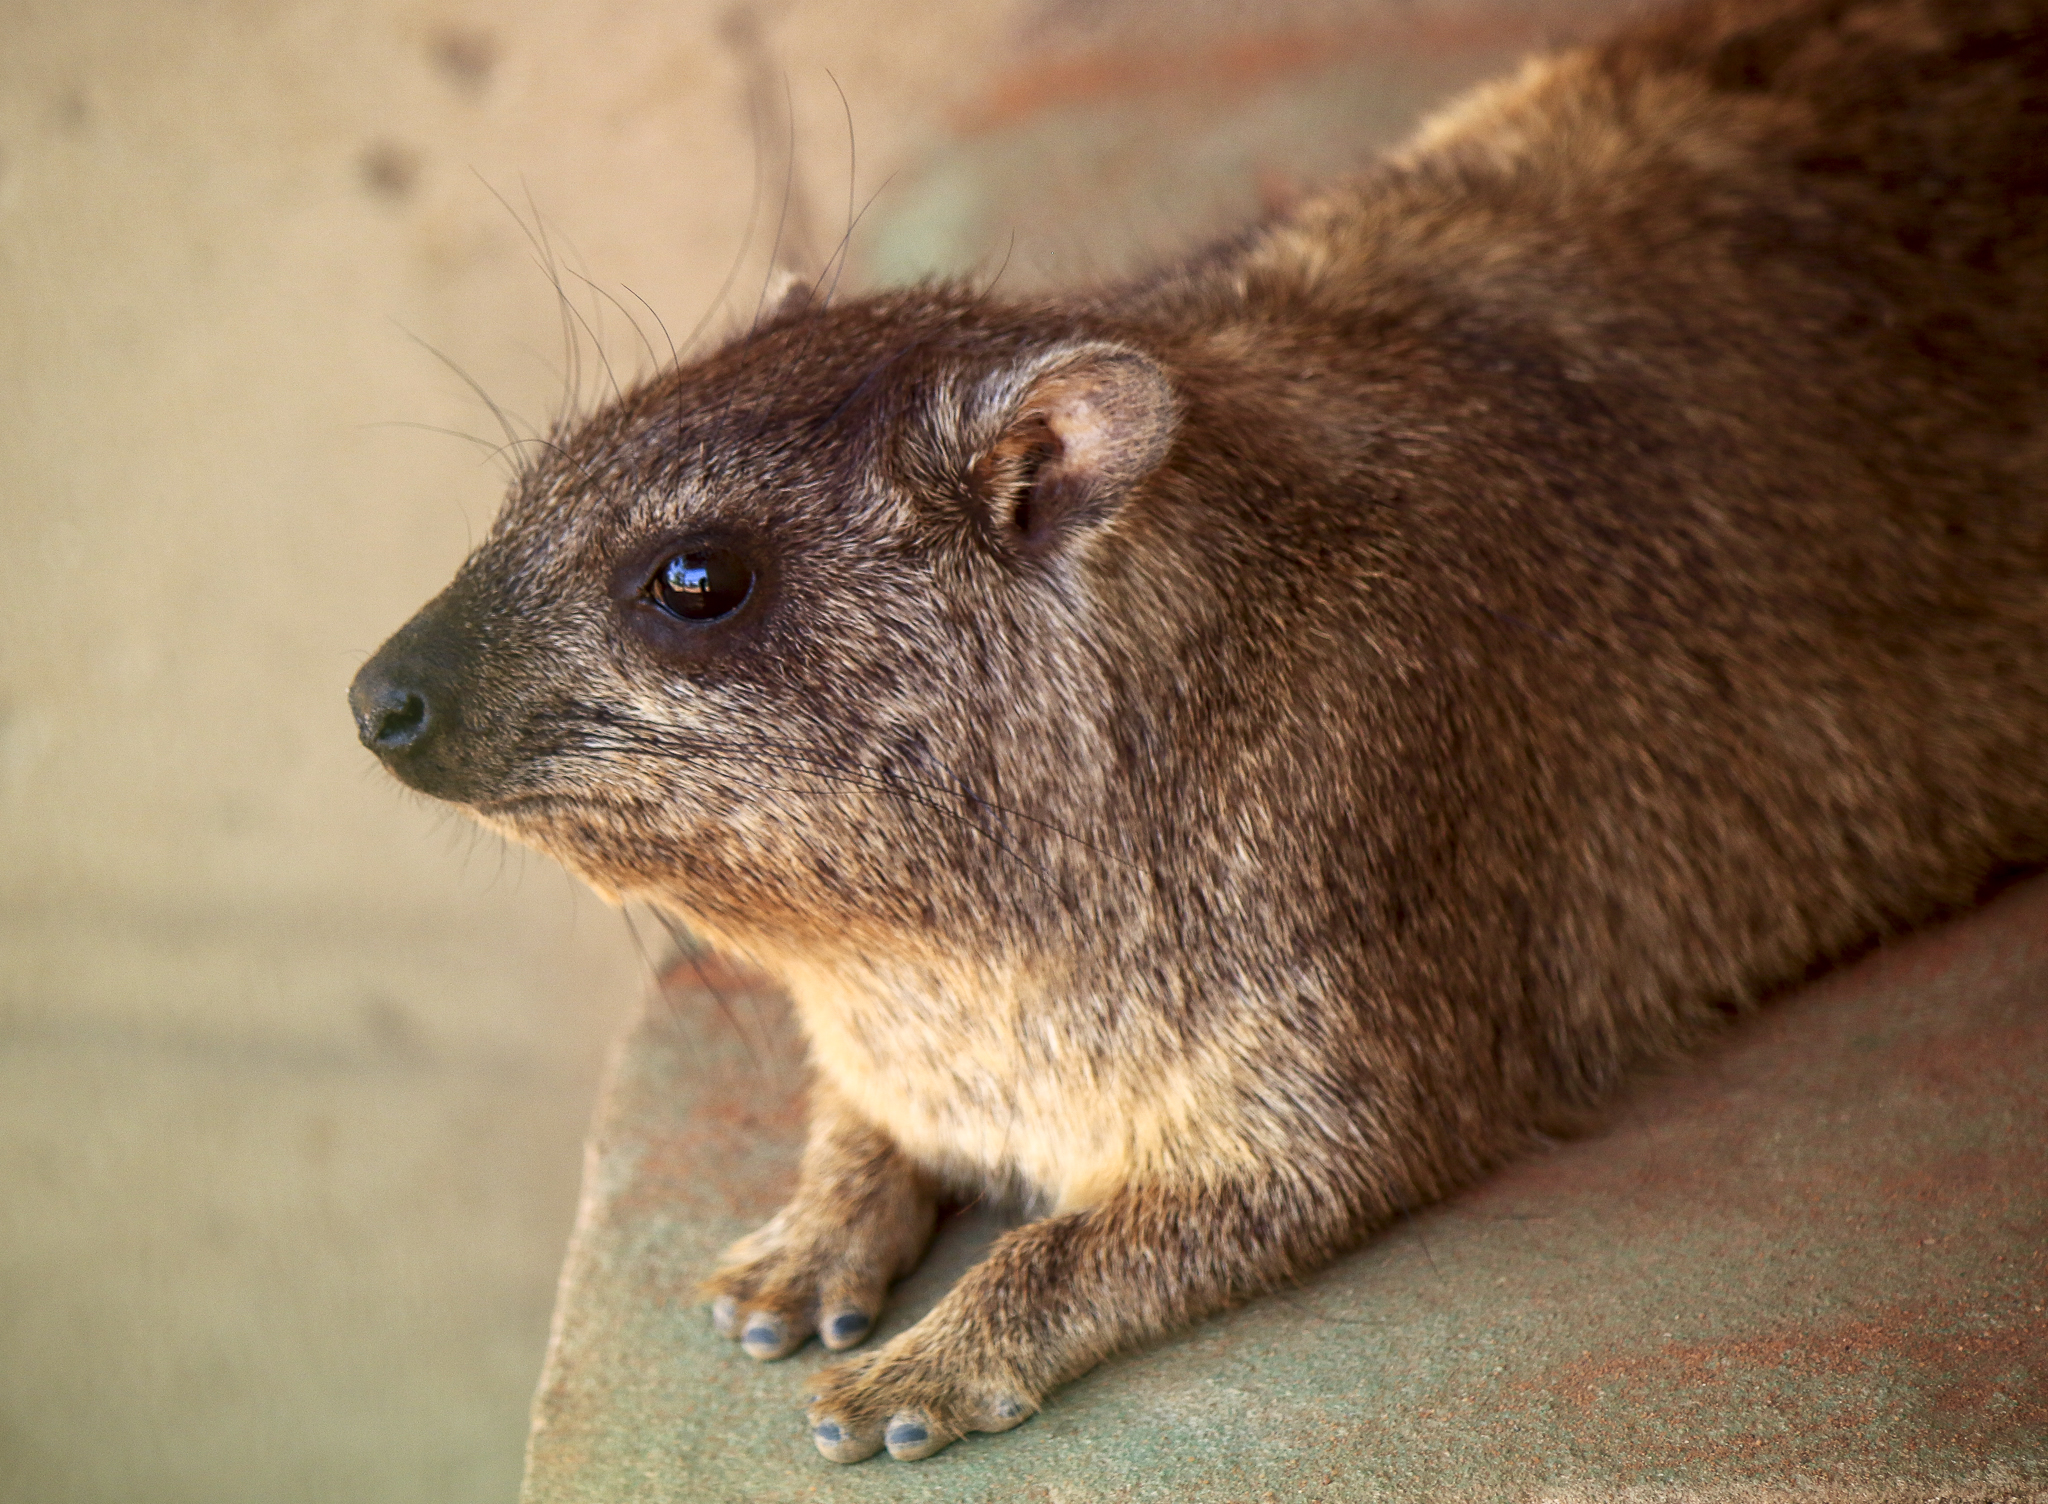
(1056, 1296)
(913, 1399)
(858, 1222)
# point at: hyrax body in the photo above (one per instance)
(1229, 755)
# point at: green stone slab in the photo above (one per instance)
(1811, 1265)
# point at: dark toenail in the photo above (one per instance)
(907, 1435)
(849, 1325)
(761, 1336)
(828, 1432)
(1008, 1409)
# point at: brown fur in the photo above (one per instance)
(1231, 755)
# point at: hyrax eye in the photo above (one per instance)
(702, 585)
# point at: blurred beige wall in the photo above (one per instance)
(293, 1066)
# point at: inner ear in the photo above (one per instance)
(1090, 424)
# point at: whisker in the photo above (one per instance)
(491, 451)
(653, 356)
(852, 186)
(511, 434)
(846, 241)
(660, 323)
(692, 953)
(802, 756)
(650, 746)
(798, 756)
(560, 451)
(788, 188)
(551, 267)
(1010, 251)
(732, 272)
(960, 790)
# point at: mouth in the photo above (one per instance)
(560, 821)
(518, 804)
(542, 820)
(568, 829)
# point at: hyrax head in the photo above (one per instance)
(805, 640)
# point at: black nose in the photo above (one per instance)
(409, 704)
(392, 716)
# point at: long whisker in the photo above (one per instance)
(674, 355)
(560, 451)
(840, 255)
(803, 756)
(732, 272)
(690, 952)
(511, 434)
(788, 189)
(551, 267)
(959, 789)
(852, 185)
(653, 356)
(872, 783)
(491, 450)
(648, 745)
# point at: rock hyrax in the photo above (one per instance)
(1229, 755)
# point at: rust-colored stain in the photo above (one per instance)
(693, 1160)
(1982, 1182)
(1234, 64)
(1982, 1374)
(1977, 1063)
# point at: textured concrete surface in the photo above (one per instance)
(1811, 1265)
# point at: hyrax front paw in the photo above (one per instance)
(823, 1264)
(913, 1398)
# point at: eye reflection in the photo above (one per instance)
(703, 584)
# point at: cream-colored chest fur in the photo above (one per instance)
(999, 1080)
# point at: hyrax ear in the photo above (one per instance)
(1082, 426)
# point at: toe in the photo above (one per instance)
(841, 1443)
(844, 1328)
(849, 1300)
(911, 1434)
(1002, 1413)
(767, 1334)
(725, 1316)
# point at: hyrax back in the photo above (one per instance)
(1228, 755)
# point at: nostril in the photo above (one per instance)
(399, 725)
(392, 715)
(407, 703)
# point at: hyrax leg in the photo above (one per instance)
(1055, 1297)
(861, 1218)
